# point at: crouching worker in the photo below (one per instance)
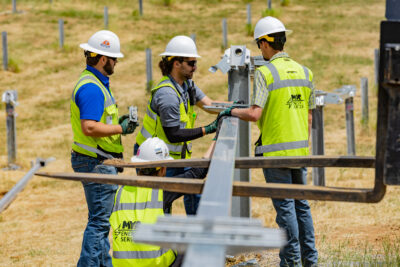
(134, 205)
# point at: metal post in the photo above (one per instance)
(61, 30)
(364, 101)
(248, 14)
(5, 50)
(14, 6)
(10, 98)
(140, 7)
(106, 17)
(12, 194)
(269, 4)
(351, 147)
(193, 36)
(318, 147)
(224, 34)
(376, 61)
(149, 70)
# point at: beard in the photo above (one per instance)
(108, 68)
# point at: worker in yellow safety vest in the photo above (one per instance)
(170, 112)
(282, 105)
(97, 133)
(135, 205)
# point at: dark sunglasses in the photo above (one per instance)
(191, 63)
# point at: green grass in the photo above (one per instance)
(72, 13)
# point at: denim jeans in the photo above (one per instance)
(295, 217)
(100, 201)
(191, 202)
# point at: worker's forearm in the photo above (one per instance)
(245, 114)
(99, 129)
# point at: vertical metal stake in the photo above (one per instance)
(193, 36)
(239, 89)
(317, 137)
(351, 147)
(224, 34)
(14, 6)
(364, 101)
(376, 66)
(141, 7)
(149, 70)
(249, 14)
(10, 98)
(106, 17)
(269, 4)
(61, 30)
(5, 50)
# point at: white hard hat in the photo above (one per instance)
(152, 149)
(104, 43)
(181, 46)
(268, 25)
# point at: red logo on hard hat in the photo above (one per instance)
(105, 44)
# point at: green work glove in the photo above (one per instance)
(122, 118)
(226, 112)
(212, 127)
(128, 126)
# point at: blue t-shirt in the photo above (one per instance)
(90, 98)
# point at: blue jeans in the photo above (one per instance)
(295, 217)
(191, 202)
(100, 201)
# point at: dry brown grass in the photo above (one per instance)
(44, 225)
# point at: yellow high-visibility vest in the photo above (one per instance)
(284, 120)
(134, 205)
(110, 116)
(152, 126)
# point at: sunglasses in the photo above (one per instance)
(191, 63)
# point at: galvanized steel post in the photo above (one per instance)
(193, 36)
(106, 17)
(351, 144)
(269, 4)
(10, 98)
(317, 139)
(14, 6)
(224, 34)
(5, 50)
(61, 30)
(364, 101)
(376, 61)
(149, 70)
(141, 7)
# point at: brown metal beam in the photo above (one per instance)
(244, 189)
(259, 162)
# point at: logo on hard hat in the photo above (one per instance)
(105, 44)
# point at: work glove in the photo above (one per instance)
(218, 129)
(122, 118)
(225, 112)
(128, 126)
(212, 127)
(238, 102)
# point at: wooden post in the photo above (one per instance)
(5, 50)
(61, 29)
(364, 101)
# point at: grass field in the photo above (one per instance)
(335, 38)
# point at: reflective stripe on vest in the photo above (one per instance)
(152, 204)
(284, 126)
(281, 146)
(139, 254)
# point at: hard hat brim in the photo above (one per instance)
(288, 32)
(87, 47)
(137, 159)
(167, 54)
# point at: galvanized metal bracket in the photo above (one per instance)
(10, 97)
(238, 235)
(233, 58)
(323, 98)
(346, 91)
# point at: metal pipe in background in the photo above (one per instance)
(14, 6)
(224, 34)
(140, 7)
(193, 36)
(351, 144)
(376, 61)
(12, 194)
(61, 30)
(105, 17)
(364, 101)
(318, 147)
(269, 4)
(5, 50)
(149, 70)
(10, 99)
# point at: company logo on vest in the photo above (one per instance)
(295, 101)
(125, 231)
